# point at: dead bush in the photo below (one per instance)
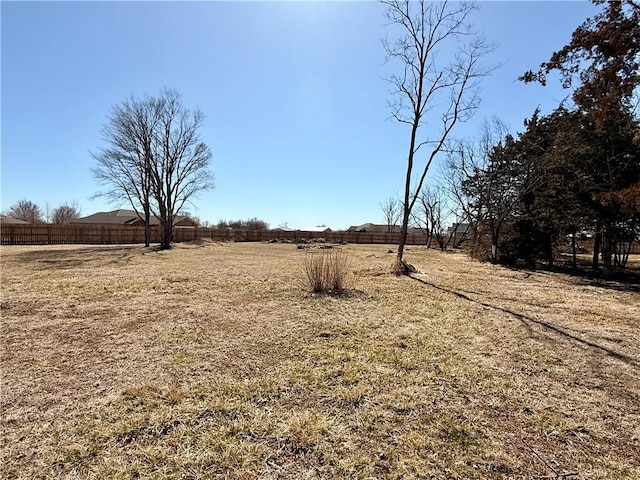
(326, 271)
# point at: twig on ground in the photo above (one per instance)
(556, 474)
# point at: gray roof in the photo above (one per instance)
(14, 221)
(317, 228)
(120, 217)
(374, 228)
(382, 228)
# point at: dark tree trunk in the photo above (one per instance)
(549, 248)
(399, 268)
(573, 251)
(596, 249)
(495, 235)
(607, 269)
(147, 227)
(167, 236)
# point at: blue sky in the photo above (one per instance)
(296, 110)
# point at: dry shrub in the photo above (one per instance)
(326, 271)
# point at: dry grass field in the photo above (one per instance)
(211, 361)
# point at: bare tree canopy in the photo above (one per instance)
(124, 166)
(430, 91)
(467, 159)
(180, 166)
(433, 210)
(155, 159)
(26, 210)
(252, 223)
(65, 213)
(391, 210)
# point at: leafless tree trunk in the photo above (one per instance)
(391, 209)
(124, 167)
(155, 159)
(448, 92)
(181, 170)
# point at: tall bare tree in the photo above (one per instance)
(180, 169)
(26, 210)
(430, 91)
(155, 159)
(124, 166)
(65, 213)
(391, 210)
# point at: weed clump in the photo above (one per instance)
(326, 271)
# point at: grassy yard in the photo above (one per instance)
(211, 361)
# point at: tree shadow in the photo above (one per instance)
(528, 321)
(627, 280)
(62, 259)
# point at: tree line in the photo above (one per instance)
(30, 212)
(574, 171)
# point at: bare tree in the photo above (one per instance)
(180, 169)
(465, 158)
(391, 210)
(46, 214)
(433, 210)
(65, 213)
(429, 91)
(26, 210)
(124, 166)
(252, 223)
(155, 159)
(202, 223)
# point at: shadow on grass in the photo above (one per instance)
(529, 320)
(623, 280)
(60, 259)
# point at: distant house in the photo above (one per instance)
(382, 228)
(374, 228)
(318, 228)
(458, 228)
(7, 220)
(129, 218)
(459, 232)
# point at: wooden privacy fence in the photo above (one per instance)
(117, 234)
(11, 234)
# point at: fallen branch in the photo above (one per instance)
(556, 474)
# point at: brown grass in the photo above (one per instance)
(326, 271)
(212, 361)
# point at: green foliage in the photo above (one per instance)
(586, 155)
